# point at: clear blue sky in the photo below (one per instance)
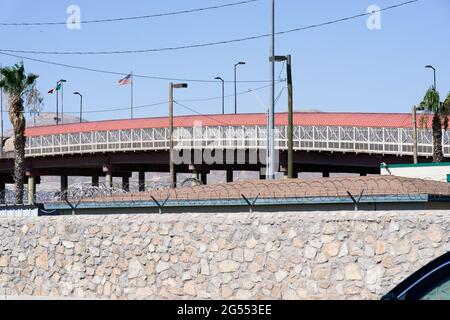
(343, 67)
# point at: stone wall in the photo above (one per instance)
(320, 255)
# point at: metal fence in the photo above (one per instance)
(397, 141)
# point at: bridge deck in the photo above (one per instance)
(333, 132)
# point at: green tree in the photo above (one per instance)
(19, 88)
(431, 103)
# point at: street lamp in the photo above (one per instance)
(62, 81)
(290, 131)
(173, 177)
(81, 105)
(235, 87)
(223, 93)
(434, 72)
(414, 123)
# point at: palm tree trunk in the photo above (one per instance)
(438, 155)
(18, 121)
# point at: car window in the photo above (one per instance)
(440, 292)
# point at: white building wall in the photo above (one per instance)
(431, 172)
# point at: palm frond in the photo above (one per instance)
(15, 81)
(431, 101)
(446, 103)
(31, 79)
(423, 121)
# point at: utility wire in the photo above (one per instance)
(209, 44)
(212, 117)
(226, 96)
(112, 109)
(166, 102)
(281, 71)
(121, 73)
(158, 15)
(279, 95)
(201, 114)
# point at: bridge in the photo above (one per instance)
(323, 142)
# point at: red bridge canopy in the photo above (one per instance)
(386, 120)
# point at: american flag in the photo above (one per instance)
(126, 80)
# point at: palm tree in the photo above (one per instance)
(18, 86)
(431, 102)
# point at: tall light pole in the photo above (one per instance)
(173, 177)
(290, 131)
(414, 123)
(271, 129)
(235, 85)
(434, 72)
(223, 93)
(81, 105)
(57, 106)
(62, 81)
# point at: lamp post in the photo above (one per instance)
(173, 177)
(57, 106)
(434, 72)
(414, 123)
(223, 93)
(81, 105)
(235, 86)
(290, 131)
(62, 81)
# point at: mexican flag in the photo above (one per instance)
(52, 90)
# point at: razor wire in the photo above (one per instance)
(280, 191)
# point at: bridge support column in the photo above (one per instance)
(199, 172)
(325, 174)
(31, 190)
(95, 181)
(126, 184)
(109, 179)
(141, 181)
(196, 175)
(230, 175)
(173, 178)
(64, 184)
(262, 174)
(2, 192)
(204, 178)
(107, 169)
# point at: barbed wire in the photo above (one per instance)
(371, 189)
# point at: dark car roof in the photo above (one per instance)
(416, 276)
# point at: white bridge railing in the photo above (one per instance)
(396, 141)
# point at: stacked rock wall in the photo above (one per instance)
(319, 255)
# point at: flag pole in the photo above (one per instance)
(132, 80)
